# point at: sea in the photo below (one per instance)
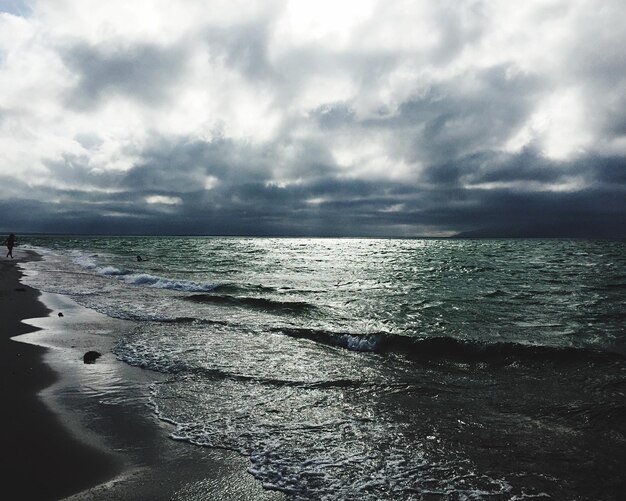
(374, 369)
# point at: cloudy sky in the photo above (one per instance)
(325, 117)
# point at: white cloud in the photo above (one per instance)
(163, 200)
(211, 182)
(324, 22)
(420, 83)
(432, 41)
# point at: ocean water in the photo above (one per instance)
(375, 369)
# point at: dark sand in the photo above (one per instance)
(66, 442)
(41, 458)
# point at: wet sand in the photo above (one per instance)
(42, 459)
(80, 431)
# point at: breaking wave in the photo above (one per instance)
(452, 349)
(147, 280)
(253, 302)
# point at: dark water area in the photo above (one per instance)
(376, 369)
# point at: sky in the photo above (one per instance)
(313, 118)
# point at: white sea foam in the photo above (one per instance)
(359, 343)
(157, 282)
(327, 454)
(84, 261)
(309, 441)
(89, 262)
(111, 270)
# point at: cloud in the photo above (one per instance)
(365, 118)
(15, 7)
(141, 72)
(164, 200)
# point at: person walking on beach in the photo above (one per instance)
(10, 243)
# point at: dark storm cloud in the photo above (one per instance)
(244, 197)
(476, 111)
(335, 115)
(609, 170)
(142, 71)
(74, 170)
(243, 46)
(521, 209)
(457, 28)
(588, 213)
(494, 167)
(333, 206)
(184, 166)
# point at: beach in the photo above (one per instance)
(43, 461)
(65, 435)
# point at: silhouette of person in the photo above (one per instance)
(139, 258)
(10, 243)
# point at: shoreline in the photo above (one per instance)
(95, 435)
(44, 460)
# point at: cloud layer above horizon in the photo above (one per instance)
(329, 118)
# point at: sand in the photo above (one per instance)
(77, 431)
(42, 459)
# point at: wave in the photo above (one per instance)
(147, 280)
(84, 261)
(186, 321)
(89, 262)
(447, 348)
(111, 271)
(126, 352)
(253, 302)
(220, 374)
(605, 415)
(232, 288)
(618, 285)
